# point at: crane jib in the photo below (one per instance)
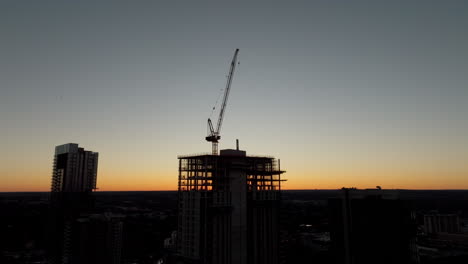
(215, 134)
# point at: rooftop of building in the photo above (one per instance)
(70, 148)
(225, 153)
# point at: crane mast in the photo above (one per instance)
(214, 135)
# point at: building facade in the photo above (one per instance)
(76, 234)
(372, 226)
(228, 208)
(98, 239)
(74, 169)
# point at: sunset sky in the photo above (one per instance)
(345, 93)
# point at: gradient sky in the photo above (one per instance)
(345, 93)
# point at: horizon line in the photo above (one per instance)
(395, 189)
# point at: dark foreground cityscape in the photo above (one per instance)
(229, 208)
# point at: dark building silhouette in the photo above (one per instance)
(75, 169)
(372, 226)
(228, 208)
(98, 239)
(74, 177)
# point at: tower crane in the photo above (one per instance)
(214, 134)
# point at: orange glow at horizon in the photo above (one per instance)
(149, 181)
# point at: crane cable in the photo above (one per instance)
(216, 103)
(219, 96)
(208, 131)
(221, 92)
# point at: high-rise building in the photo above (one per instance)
(75, 169)
(75, 234)
(74, 175)
(372, 226)
(228, 208)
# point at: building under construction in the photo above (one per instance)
(228, 208)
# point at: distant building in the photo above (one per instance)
(74, 177)
(441, 223)
(228, 209)
(74, 170)
(75, 236)
(372, 226)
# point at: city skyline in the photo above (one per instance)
(360, 94)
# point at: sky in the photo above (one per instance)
(345, 93)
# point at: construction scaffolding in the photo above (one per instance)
(209, 172)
